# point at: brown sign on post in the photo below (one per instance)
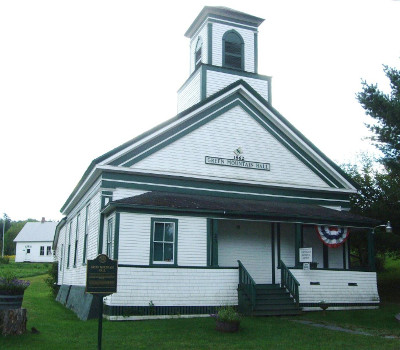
(101, 276)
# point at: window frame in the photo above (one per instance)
(41, 253)
(109, 237)
(48, 251)
(76, 239)
(175, 242)
(198, 48)
(224, 64)
(69, 244)
(85, 243)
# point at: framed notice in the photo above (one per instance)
(305, 255)
(101, 277)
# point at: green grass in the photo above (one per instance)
(23, 270)
(60, 329)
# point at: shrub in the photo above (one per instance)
(4, 260)
(52, 278)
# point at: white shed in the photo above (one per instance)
(34, 242)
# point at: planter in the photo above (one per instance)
(10, 301)
(227, 327)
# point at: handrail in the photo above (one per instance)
(247, 283)
(289, 282)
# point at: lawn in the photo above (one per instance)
(23, 270)
(61, 329)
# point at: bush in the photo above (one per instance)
(380, 262)
(4, 260)
(52, 279)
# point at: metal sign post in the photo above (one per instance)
(101, 280)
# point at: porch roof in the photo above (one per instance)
(240, 208)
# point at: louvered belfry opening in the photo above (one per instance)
(233, 46)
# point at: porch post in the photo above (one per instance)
(297, 244)
(371, 250)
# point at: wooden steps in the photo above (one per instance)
(271, 300)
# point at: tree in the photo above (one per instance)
(385, 109)
(378, 198)
(6, 223)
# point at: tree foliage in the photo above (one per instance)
(385, 109)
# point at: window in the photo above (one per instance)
(69, 243)
(198, 54)
(28, 251)
(233, 50)
(61, 256)
(109, 237)
(42, 250)
(85, 243)
(76, 239)
(163, 249)
(48, 251)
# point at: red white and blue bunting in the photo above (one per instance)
(332, 236)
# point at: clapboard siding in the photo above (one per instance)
(203, 34)
(249, 242)
(216, 81)
(121, 193)
(219, 138)
(189, 95)
(134, 239)
(76, 275)
(334, 286)
(248, 37)
(311, 240)
(175, 287)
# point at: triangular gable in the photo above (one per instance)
(188, 125)
(118, 154)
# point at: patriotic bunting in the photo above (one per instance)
(332, 236)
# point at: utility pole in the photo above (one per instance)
(4, 226)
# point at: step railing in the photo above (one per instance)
(289, 282)
(247, 284)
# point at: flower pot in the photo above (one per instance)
(228, 327)
(8, 301)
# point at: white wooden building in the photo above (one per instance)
(212, 207)
(34, 242)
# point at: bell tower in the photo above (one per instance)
(223, 49)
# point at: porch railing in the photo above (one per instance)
(247, 284)
(289, 282)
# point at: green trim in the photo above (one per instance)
(213, 112)
(193, 108)
(223, 191)
(209, 241)
(86, 233)
(297, 244)
(76, 239)
(339, 304)
(344, 254)
(209, 33)
(278, 234)
(164, 220)
(69, 244)
(233, 31)
(371, 250)
(273, 250)
(325, 256)
(181, 267)
(256, 53)
(203, 79)
(214, 257)
(116, 235)
(101, 229)
(126, 311)
(348, 253)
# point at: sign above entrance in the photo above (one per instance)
(237, 162)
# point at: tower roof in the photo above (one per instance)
(223, 13)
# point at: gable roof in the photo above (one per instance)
(230, 207)
(191, 110)
(37, 232)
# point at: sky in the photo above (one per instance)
(79, 78)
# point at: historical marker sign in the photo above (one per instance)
(101, 277)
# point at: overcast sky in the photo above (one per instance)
(78, 78)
